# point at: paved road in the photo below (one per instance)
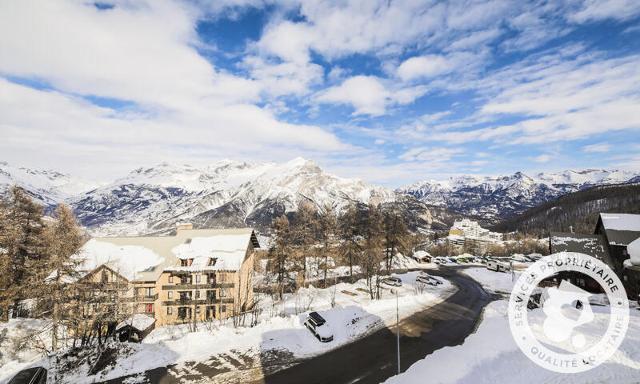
(371, 359)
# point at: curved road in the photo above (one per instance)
(372, 359)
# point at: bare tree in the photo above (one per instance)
(350, 236)
(396, 234)
(372, 256)
(327, 229)
(280, 252)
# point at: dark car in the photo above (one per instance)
(35, 375)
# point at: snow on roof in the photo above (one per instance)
(621, 221)
(228, 250)
(127, 260)
(144, 258)
(634, 251)
(138, 321)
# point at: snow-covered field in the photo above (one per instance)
(280, 327)
(491, 356)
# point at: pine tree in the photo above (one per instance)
(22, 247)
(64, 239)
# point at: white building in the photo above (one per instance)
(467, 231)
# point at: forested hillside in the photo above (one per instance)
(578, 210)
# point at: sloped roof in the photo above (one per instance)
(620, 228)
(143, 258)
(592, 245)
(139, 321)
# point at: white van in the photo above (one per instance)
(498, 266)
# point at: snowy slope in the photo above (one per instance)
(226, 193)
(498, 197)
(47, 187)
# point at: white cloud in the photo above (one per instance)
(597, 148)
(141, 52)
(594, 10)
(423, 66)
(368, 95)
(544, 158)
(434, 154)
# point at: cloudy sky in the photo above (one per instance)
(387, 91)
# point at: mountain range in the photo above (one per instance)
(231, 193)
(495, 198)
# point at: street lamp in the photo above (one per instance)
(397, 328)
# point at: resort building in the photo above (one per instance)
(194, 275)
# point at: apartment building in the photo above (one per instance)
(196, 274)
(467, 232)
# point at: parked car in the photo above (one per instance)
(35, 375)
(498, 266)
(319, 327)
(393, 281)
(425, 274)
(429, 280)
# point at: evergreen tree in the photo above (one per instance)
(22, 247)
(64, 239)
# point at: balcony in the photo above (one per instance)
(203, 301)
(146, 298)
(197, 286)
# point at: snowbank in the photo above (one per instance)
(499, 282)
(491, 356)
(634, 252)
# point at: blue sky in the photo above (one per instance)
(391, 91)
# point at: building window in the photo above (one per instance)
(149, 308)
(183, 263)
(170, 295)
(169, 310)
(198, 279)
(223, 292)
(170, 278)
(212, 261)
(197, 294)
(198, 309)
(223, 308)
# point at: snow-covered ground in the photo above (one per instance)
(492, 281)
(280, 327)
(18, 346)
(490, 355)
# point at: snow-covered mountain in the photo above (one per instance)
(47, 187)
(227, 193)
(495, 198)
